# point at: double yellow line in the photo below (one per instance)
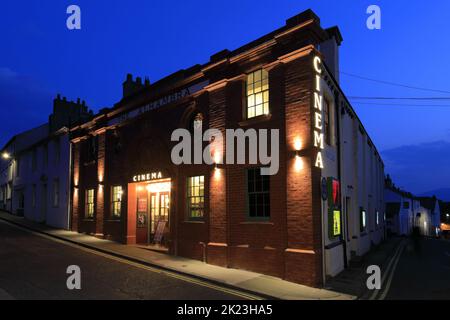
(388, 274)
(240, 294)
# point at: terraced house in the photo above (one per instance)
(321, 209)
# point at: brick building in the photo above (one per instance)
(321, 209)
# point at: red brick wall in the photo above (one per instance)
(287, 245)
(303, 254)
(75, 212)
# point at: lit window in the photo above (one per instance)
(258, 194)
(363, 221)
(90, 203)
(196, 197)
(116, 205)
(257, 93)
(378, 218)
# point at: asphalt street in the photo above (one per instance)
(33, 267)
(423, 274)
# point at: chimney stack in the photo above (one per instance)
(330, 50)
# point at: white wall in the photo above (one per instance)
(39, 183)
(362, 186)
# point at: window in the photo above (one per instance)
(56, 192)
(89, 203)
(363, 220)
(258, 194)
(116, 201)
(196, 197)
(326, 121)
(33, 196)
(378, 218)
(196, 121)
(257, 93)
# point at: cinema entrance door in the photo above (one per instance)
(151, 211)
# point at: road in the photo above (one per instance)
(33, 267)
(424, 274)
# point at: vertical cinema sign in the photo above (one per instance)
(318, 125)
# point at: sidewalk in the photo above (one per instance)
(352, 281)
(241, 280)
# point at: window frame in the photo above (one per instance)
(362, 220)
(189, 197)
(247, 192)
(262, 91)
(115, 201)
(87, 215)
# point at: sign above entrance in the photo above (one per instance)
(172, 97)
(148, 176)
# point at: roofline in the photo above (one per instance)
(14, 137)
(197, 71)
(329, 73)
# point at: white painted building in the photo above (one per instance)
(35, 167)
(400, 209)
(428, 217)
(351, 158)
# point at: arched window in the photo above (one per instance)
(195, 121)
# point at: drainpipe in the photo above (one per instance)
(337, 113)
(69, 186)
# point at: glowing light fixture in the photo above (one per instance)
(6, 155)
(158, 187)
(298, 163)
(297, 144)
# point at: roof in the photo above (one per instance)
(26, 138)
(428, 202)
(304, 19)
(392, 209)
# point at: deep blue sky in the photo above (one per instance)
(40, 57)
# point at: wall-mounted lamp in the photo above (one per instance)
(6, 155)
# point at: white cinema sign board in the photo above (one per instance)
(318, 138)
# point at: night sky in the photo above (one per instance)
(40, 57)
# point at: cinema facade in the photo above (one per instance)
(323, 208)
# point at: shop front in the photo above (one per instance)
(149, 203)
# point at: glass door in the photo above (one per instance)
(159, 209)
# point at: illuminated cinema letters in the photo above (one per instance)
(317, 104)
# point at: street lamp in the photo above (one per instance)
(6, 155)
